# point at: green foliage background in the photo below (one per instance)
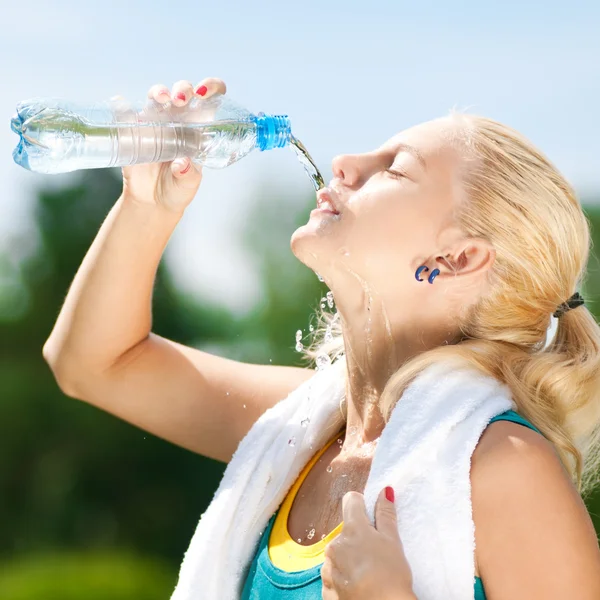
(92, 507)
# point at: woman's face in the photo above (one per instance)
(395, 209)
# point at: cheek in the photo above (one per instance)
(389, 229)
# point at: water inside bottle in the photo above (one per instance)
(308, 163)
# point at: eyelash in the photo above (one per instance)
(396, 174)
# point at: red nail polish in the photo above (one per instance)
(389, 493)
(201, 91)
(186, 169)
(180, 96)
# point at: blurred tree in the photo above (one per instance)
(70, 475)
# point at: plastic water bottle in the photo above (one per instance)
(58, 136)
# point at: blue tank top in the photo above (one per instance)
(265, 581)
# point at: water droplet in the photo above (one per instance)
(270, 360)
(292, 441)
(298, 335)
(311, 534)
(299, 540)
(319, 277)
(305, 422)
(299, 347)
(345, 475)
(340, 441)
(323, 361)
(227, 393)
(353, 430)
(329, 469)
(311, 328)
(323, 537)
(328, 334)
(244, 406)
(330, 299)
(345, 582)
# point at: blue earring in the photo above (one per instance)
(433, 275)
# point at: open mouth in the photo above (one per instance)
(326, 202)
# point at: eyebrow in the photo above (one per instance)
(412, 150)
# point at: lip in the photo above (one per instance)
(327, 195)
(324, 211)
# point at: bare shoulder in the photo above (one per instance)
(534, 536)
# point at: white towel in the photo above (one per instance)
(424, 452)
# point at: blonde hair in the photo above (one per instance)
(516, 199)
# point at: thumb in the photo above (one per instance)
(386, 520)
(185, 173)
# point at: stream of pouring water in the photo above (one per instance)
(309, 164)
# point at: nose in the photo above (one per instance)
(346, 168)
(353, 170)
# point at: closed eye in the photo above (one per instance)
(397, 174)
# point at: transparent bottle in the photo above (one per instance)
(58, 136)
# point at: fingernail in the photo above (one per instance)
(180, 96)
(180, 162)
(201, 91)
(163, 92)
(389, 493)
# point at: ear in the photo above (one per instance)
(470, 256)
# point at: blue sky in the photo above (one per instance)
(349, 74)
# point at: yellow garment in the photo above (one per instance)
(285, 552)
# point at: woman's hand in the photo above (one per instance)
(171, 185)
(366, 562)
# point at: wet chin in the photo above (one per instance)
(307, 245)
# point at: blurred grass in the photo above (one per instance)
(79, 576)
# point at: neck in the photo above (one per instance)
(373, 355)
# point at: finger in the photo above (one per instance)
(160, 93)
(386, 520)
(327, 574)
(186, 173)
(354, 510)
(328, 593)
(334, 582)
(182, 92)
(210, 86)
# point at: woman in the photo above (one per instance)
(454, 238)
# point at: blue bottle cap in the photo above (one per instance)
(272, 131)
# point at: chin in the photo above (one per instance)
(307, 246)
(301, 243)
(315, 242)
